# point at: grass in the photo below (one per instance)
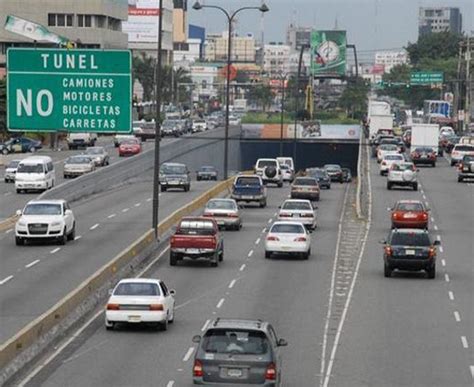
(274, 118)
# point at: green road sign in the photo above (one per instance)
(50, 90)
(426, 77)
(328, 53)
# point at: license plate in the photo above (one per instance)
(174, 182)
(134, 319)
(410, 216)
(192, 251)
(234, 373)
(246, 197)
(409, 252)
(286, 248)
(220, 222)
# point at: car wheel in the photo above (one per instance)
(415, 187)
(221, 255)
(171, 319)
(215, 263)
(307, 254)
(381, 173)
(431, 272)
(163, 188)
(460, 179)
(72, 235)
(389, 185)
(453, 163)
(32, 149)
(263, 204)
(164, 325)
(5, 151)
(18, 191)
(387, 272)
(63, 238)
(268, 254)
(280, 184)
(19, 241)
(173, 259)
(433, 165)
(198, 178)
(109, 325)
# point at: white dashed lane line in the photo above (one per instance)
(54, 251)
(457, 316)
(451, 295)
(232, 283)
(138, 204)
(170, 383)
(111, 216)
(220, 303)
(5, 280)
(205, 325)
(9, 231)
(472, 371)
(441, 249)
(149, 199)
(188, 354)
(446, 277)
(250, 253)
(269, 220)
(263, 230)
(242, 267)
(443, 262)
(78, 237)
(465, 344)
(32, 263)
(435, 227)
(257, 241)
(427, 204)
(432, 219)
(125, 209)
(94, 226)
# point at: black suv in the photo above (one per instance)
(320, 175)
(466, 168)
(242, 352)
(409, 249)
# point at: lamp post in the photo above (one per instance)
(230, 17)
(297, 99)
(283, 78)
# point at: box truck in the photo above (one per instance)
(425, 135)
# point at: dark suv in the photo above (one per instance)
(466, 168)
(242, 352)
(321, 175)
(409, 249)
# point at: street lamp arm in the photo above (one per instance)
(242, 9)
(229, 18)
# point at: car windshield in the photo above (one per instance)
(30, 168)
(388, 147)
(221, 205)
(78, 160)
(296, 206)
(235, 341)
(207, 169)
(468, 159)
(13, 164)
(173, 169)
(266, 163)
(332, 167)
(403, 167)
(169, 124)
(196, 227)
(137, 289)
(316, 173)
(464, 148)
(285, 228)
(247, 181)
(284, 167)
(409, 207)
(394, 157)
(42, 209)
(410, 239)
(94, 151)
(305, 181)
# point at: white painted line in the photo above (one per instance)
(5, 280)
(443, 262)
(457, 316)
(275, 214)
(149, 199)
(111, 216)
(424, 196)
(270, 220)
(435, 227)
(138, 204)
(32, 263)
(188, 354)
(427, 204)
(94, 226)
(446, 277)
(257, 241)
(472, 371)
(441, 249)
(205, 325)
(78, 237)
(250, 253)
(242, 267)
(7, 193)
(170, 383)
(438, 238)
(232, 283)
(220, 303)
(451, 295)
(125, 209)
(54, 251)
(9, 231)
(432, 219)
(264, 230)
(465, 344)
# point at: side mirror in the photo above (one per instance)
(68, 212)
(437, 242)
(196, 339)
(18, 212)
(282, 343)
(383, 241)
(279, 206)
(173, 292)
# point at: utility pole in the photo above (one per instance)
(467, 107)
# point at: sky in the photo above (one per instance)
(370, 24)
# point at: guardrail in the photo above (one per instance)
(359, 178)
(8, 223)
(45, 328)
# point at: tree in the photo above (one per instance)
(261, 95)
(3, 109)
(354, 97)
(144, 70)
(441, 45)
(173, 87)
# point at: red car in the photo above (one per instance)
(410, 214)
(424, 155)
(130, 147)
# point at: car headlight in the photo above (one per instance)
(21, 224)
(56, 224)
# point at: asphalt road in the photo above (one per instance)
(292, 294)
(408, 330)
(34, 277)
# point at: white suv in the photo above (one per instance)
(270, 171)
(45, 219)
(402, 174)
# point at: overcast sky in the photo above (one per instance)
(370, 24)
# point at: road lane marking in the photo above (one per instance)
(149, 199)
(138, 204)
(443, 262)
(250, 253)
(269, 220)
(78, 237)
(438, 238)
(125, 209)
(264, 229)
(451, 295)
(232, 283)
(446, 277)
(432, 219)
(435, 227)
(188, 354)
(472, 371)
(170, 383)
(465, 344)
(111, 216)
(9, 231)
(220, 303)
(424, 196)
(441, 249)
(5, 280)
(275, 214)
(457, 316)
(32, 264)
(205, 325)
(242, 267)
(427, 204)
(94, 226)
(7, 193)
(257, 241)
(54, 251)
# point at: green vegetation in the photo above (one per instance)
(354, 98)
(274, 118)
(3, 109)
(261, 95)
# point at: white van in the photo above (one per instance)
(287, 161)
(35, 173)
(269, 170)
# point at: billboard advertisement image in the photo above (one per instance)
(328, 53)
(142, 23)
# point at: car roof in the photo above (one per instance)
(33, 159)
(409, 201)
(197, 218)
(142, 280)
(287, 222)
(296, 201)
(180, 164)
(48, 201)
(238, 324)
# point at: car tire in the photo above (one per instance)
(198, 178)
(452, 163)
(18, 190)
(187, 188)
(387, 271)
(5, 151)
(431, 272)
(460, 179)
(215, 263)
(381, 173)
(415, 187)
(63, 238)
(163, 326)
(19, 241)
(307, 254)
(72, 235)
(163, 188)
(173, 259)
(263, 204)
(109, 325)
(389, 185)
(221, 255)
(280, 184)
(268, 254)
(433, 165)
(171, 320)
(32, 149)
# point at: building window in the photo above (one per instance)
(100, 21)
(60, 20)
(84, 20)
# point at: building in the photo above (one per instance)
(390, 59)
(243, 48)
(276, 58)
(197, 32)
(439, 19)
(180, 21)
(89, 23)
(187, 53)
(142, 27)
(297, 36)
(294, 61)
(206, 78)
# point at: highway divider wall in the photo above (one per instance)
(34, 338)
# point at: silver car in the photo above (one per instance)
(402, 174)
(98, 154)
(299, 210)
(10, 171)
(238, 352)
(225, 212)
(78, 165)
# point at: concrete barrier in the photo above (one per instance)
(40, 329)
(8, 223)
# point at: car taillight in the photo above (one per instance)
(384, 163)
(432, 252)
(425, 216)
(272, 238)
(388, 250)
(461, 166)
(300, 239)
(172, 240)
(285, 215)
(156, 307)
(197, 369)
(271, 372)
(232, 215)
(307, 215)
(208, 215)
(415, 155)
(113, 306)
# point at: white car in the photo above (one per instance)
(10, 171)
(269, 170)
(225, 212)
(446, 131)
(402, 174)
(234, 121)
(199, 125)
(288, 238)
(45, 219)
(299, 210)
(140, 300)
(386, 149)
(78, 165)
(388, 160)
(459, 151)
(287, 172)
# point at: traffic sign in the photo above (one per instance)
(426, 77)
(50, 90)
(233, 72)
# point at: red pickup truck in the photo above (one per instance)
(197, 237)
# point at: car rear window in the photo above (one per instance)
(94, 151)
(464, 148)
(78, 160)
(424, 149)
(137, 289)
(196, 227)
(235, 341)
(468, 159)
(296, 206)
(221, 205)
(247, 181)
(394, 157)
(388, 147)
(207, 169)
(305, 181)
(409, 207)
(173, 169)
(267, 163)
(287, 229)
(316, 172)
(410, 239)
(403, 167)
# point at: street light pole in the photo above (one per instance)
(298, 75)
(230, 17)
(282, 108)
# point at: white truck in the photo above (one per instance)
(379, 108)
(379, 121)
(425, 135)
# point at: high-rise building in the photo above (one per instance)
(243, 48)
(439, 19)
(390, 59)
(276, 58)
(180, 21)
(297, 36)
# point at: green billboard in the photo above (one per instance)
(328, 53)
(52, 90)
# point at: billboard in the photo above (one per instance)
(142, 23)
(328, 53)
